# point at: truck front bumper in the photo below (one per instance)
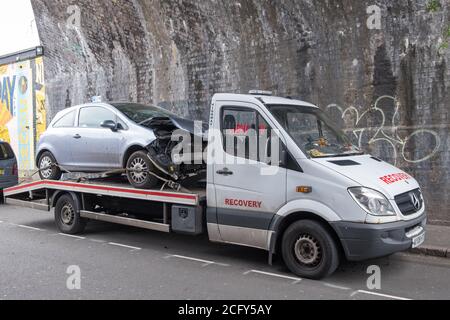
(366, 241)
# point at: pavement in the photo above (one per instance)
(118, 262)
(437, 242)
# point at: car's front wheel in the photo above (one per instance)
(48, 167)
(139, 167)
(309, 250)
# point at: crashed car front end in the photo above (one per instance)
(177, 151)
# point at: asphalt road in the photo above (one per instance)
(126, 263)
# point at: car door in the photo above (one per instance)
(60, 139)
(249, 189)
(95, 147)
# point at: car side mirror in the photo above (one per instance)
(110, 124)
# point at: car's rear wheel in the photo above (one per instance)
(48, 167)
(138, 168)
(309, 250)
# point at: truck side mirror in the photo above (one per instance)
(283, 155)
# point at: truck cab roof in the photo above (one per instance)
(255, 98)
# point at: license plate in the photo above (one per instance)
(419, 240)
(2, 172)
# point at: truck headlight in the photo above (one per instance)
(373, 202)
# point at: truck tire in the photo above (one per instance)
(309, 250)
(141, 180)
(47, 168)
(67, 216)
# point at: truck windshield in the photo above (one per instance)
(314, 132)
(140, 113)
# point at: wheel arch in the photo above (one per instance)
(129, 151)
(281, 223)
(40, 153)
(75, 196)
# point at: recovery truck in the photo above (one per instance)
(321, 201)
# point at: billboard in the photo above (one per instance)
(22, 108)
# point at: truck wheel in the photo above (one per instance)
(67, 216)
(138, 167)
(47, 168)
(309, 250)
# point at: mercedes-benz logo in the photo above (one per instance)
(415, 201)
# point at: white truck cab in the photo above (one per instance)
(322, 199)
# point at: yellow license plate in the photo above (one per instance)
(2, 172)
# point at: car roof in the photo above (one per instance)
(270, 100)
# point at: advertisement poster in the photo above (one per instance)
(22, 108)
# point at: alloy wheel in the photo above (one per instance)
(138, 170)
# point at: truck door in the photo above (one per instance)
(249, 189)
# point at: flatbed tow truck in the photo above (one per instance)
(322, 200)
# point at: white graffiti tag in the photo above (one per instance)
(383, 132)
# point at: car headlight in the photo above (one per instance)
(373, 202)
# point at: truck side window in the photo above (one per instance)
(245, 134)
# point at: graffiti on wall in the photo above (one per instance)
(22, 108)
(378, 129)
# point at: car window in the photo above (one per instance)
(66, 121)
(5, 151)
(93, 117)
(140, 112)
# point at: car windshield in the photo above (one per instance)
(141, 113)
(314, 132)
(5, 151)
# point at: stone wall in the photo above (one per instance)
(387, 83)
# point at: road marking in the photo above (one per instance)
(71, 236)
(378, 294)
(27, 227)
(205, 262)
(97, 241)
(124, 246)
(296, 280)
(330, 285)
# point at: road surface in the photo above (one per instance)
(117, 262)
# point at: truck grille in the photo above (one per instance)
(410, 202)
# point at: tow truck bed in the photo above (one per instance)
(40, 195)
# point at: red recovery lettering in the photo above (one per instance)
(243, 203)
(396, 177)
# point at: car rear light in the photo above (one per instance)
(15, 170)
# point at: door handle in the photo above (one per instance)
(77, 136)
(225, 172)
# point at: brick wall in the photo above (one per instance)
(388, 85)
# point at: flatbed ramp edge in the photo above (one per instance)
(12, 196)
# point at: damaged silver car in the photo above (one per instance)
(125, 137)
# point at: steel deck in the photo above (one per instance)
(110, 189)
